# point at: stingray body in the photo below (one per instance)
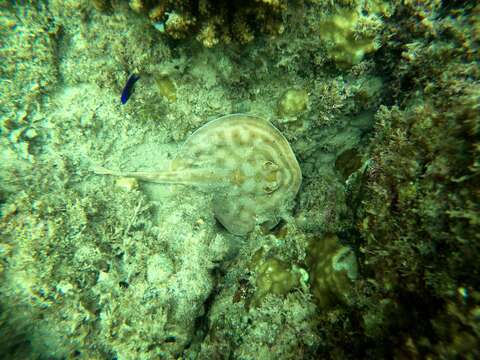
(244, 161)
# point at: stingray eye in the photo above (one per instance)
(270, 165)
(271, 187)
(270, 175)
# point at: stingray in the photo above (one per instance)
(244, 161)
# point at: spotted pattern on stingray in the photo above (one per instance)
(244, 161)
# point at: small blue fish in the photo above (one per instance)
(128, 88)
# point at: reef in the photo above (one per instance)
(214, 22)
(377, 257)
(418, 217)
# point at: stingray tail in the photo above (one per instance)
(100, 170)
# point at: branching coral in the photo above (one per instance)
(213, 22)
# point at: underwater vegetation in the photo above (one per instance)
(418, 217)
(371, 252)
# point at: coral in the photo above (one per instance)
(284, 329)
(418, 215)
(292, 102)
(348, 35)
(178, 25)
(323, 206)
(264, 309)
(137, 5)
(274, 277)
(214, 22)
(458, 327)
(333, 269)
